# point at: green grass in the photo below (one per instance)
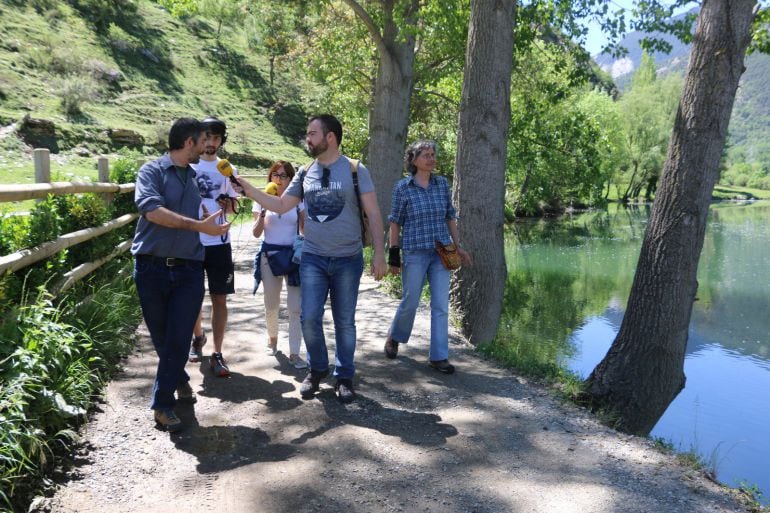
(194, 76)
(733, 192)
(720, 192)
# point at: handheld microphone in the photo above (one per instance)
(271, 189)
(224, 167)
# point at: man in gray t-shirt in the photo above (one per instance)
(332, 256)
(332, 222)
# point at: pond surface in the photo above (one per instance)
(568, 284)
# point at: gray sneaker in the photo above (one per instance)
(344, 388)
(312, 383)
(196, 348)
(297, 361)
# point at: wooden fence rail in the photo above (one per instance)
(44, 187)
(20, 192)
(29, 256)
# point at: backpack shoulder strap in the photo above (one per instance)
(302, 180)
(354, 170)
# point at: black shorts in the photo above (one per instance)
(220, 270)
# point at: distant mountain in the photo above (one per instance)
(749, 139)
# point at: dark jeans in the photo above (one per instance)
(171, 298)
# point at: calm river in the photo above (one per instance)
(567, 288)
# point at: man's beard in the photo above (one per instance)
(317, 150)
(210, 150)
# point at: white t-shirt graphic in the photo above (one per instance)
(211, 184)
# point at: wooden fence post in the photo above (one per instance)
(42, 159)
(103, 165)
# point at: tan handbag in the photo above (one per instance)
(449, 255)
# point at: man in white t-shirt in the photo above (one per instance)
(216, 193)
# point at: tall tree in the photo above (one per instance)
(648, 111)
(644, 369)
(479, 185)
(395, 39)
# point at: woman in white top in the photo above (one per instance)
(279, 230)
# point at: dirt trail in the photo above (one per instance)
(482, 440)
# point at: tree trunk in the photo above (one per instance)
(479, 185)
(389, 112)
(644, 369)
(389, 120)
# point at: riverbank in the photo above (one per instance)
(482, 440)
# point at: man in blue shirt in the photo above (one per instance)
(168, 267)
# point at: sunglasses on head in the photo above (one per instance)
(325, 178)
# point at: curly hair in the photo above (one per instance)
(413, 151)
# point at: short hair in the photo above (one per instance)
(277, 166)
(181, 130)
(329, 123)
(413, 151)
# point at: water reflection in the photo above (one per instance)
(565, 297)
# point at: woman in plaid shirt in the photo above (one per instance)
(422, 208)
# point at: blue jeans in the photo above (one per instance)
(338, 278)
(417, 266)
(171, 298)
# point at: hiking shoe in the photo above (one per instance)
(168, 420)
(344, 388)
(297, 361)
(311, 383)
(185, 394)
(196, 348)
(391, 348)
(218, 365)
(443, 366)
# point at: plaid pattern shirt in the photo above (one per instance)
(422, 213)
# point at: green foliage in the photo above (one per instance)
(52, 218)
(224, 12)
(180, 8)
(54, 357)
(647, 114)
(124, 170)
(100, 13)
(555, 147)
(340, 57)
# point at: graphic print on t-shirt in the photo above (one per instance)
(207, 186)
(324, 204)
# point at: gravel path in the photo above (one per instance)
(482, 440)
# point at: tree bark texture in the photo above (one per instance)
(644, 369)
(479, 183)
(389, 120)
(389, 111)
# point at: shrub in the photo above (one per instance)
(54, 357)
(124, 170)
(73, 91)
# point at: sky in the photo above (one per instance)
(596, 38)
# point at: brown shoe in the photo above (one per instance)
(168, 420)
(185, 394)
(391, 348)
(443, 366)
